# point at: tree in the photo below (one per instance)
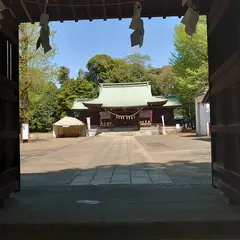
(82, 73)
(34, 64)
(121, 72)
(138, 59)
(71, 90)
(97, 66)
(43, 107)
(133, 68)
(63, 75)
(161, 79)
(129, 69)
(190, 52)
(190, 66)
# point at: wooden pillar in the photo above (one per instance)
(9, 107)
(224, 90)
(138, 121)
(15, 78)
(151, 116)
(112, 122)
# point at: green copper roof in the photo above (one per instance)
(125, 95)
(78, 104)
(173, 101)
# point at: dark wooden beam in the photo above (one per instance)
(165, 9)
(119, 10)
(88, 10)
(12, 13)
(230, 129)
(149, 2)
(9, 8)
(73, 11)
(58, 11)
(8, 24)
(104, 11)
(6, 94)
(216, 16)
(26, 11)
(39, 6)
(5, 81)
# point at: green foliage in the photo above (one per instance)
(123, 72)
(81, 73)
(72, 89)
(98, 65)
(138, 59)
(161, 79)
(43, 107)
(63, 75)
(35, 66)
(133, 68)
(190, 67)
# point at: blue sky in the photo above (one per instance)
(78, 42)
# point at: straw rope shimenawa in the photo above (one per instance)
(125, 116)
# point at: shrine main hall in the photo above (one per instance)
(126, 104)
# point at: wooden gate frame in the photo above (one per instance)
(224, 81)
(9, 108)
(224, 84)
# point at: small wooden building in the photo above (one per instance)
(69, 127)
(126, 104)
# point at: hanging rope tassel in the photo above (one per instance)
(190, 18)
(43, 39)
(138, 26)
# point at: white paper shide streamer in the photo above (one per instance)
(43, 39)
(190, 18)
(137, 25)
(2, 8)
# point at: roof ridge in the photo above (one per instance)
(124, 84)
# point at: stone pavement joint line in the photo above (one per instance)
(131, 162)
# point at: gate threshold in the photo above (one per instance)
(119, 212)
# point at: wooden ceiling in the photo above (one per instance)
(63, 10)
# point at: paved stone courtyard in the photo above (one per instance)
(144, 187)
(115, 158)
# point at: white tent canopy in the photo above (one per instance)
(69, 121)
(68, 127)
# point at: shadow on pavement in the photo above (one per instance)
(159, 211)
(179, 173)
